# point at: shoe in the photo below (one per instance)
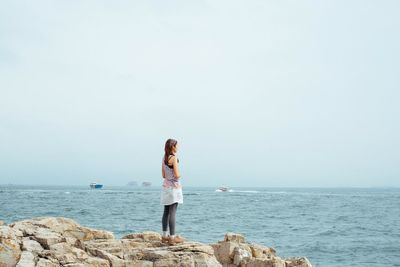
(164, 239)
(176, 240)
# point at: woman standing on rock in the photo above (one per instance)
(171, 193)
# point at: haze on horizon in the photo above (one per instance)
(257, 93)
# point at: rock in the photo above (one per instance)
(1, 223)
(96, 262)
(273, 262)
(27, 260)
(31, 245)
(42, 262)
(240, 255)
(233, 251)
(64, 226)
(297, 262)
(113, 260)
(7, 232)
(140, 263)
(46, 237)
(233, 237)
(112, 246)
(223, 251)
(259, 251)
(65, 254)
(201, 260)
(145, 236)
(58, 241)
(10, 251)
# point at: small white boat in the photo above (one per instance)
(95, 185)
(222, 189)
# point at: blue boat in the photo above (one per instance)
(96, 186)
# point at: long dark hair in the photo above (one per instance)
(169, 144)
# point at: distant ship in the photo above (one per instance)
(146, 184)
(223, 189)
(132, 183)
(96, 185)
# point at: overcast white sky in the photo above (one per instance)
(257, 93)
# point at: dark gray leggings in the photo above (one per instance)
(169, 218)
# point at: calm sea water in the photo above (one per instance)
(330, 226)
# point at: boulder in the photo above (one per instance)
(233, 237)
(145, 236)
(240, 255)
(31, 245)
(297, 262)
(10, 251)
(27, 259)
(42, 262)
(61, 225)
(7, 232)
(256, 262)
(46, 237)
(259, 251)
(223, 251)
(234, 251)
(139, 263)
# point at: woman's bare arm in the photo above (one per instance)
(162, 171)
(176, 168)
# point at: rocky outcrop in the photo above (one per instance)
(234, 251)
(58, 241)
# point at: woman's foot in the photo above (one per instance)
(176, 240)
(165, 239)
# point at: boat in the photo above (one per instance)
(146, 184)
(223, 189)
(95, 185)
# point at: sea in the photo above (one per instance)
(330, 226)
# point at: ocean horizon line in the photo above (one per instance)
(201, 186)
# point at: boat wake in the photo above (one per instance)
(224, 191)
(244, 191)
(236, 191)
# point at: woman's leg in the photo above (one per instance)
(165, 219)
(172, 213)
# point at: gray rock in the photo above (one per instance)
(297, 262)
(233, 251)
(31, 245)
(46, 237)
(234, 237)
(139, 263)
(240, 255)
(27, 260)
(46, 263)
(9, 246)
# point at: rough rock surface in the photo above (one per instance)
(58, 241)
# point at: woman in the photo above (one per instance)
(171, 193)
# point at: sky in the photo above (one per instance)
(257, 93)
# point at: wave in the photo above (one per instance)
(276, 192)
(328, 232)
(243, 191)
(237, 191)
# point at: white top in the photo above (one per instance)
(171, 191)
